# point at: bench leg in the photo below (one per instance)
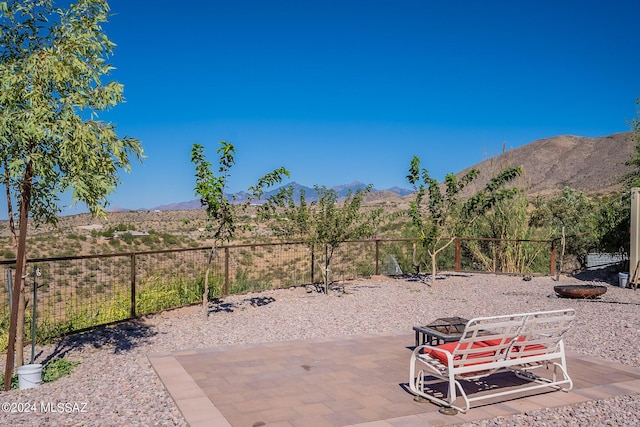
(447, 407)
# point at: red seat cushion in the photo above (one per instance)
(450, 347)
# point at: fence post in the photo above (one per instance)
(133, 286)
(226, 271)
(377, 256)
(457, 266)
(553, 258)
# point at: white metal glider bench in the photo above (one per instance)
(490, 345)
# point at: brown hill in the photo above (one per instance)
(591, 165)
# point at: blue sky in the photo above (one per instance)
(338, 91)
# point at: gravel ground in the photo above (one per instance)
(115, 384)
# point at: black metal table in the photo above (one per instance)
(440, 331)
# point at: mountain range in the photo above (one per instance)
(310, 195)
(591, 165)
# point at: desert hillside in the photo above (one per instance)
(591, 165)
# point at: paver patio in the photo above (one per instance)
(344, 381)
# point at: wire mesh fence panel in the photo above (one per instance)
(350, 260)
(169, 279)
(65, 295)
(76, 294)
(253, 268)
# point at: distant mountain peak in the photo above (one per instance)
(241, 196)
(400, 191)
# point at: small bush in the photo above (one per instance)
(8, 254)
(57, 368)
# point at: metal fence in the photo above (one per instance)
(74, 293)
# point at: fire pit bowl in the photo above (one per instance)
(580, 291)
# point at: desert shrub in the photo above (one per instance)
(74, 236)
(170, 239)
(125, 227)
(150, 239)
(127, 238)
(8, 254)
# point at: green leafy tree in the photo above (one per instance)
(326, 222)
(571, 214)
(52, 65)
(612, 223)
(439, 213)
(222, 214)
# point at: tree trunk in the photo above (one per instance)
(434, 267)
(434, 255)
(15, 350)
(205, 293)
(21, 312)
(326, 270)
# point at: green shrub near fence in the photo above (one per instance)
(156, 294)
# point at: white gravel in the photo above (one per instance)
(115, 384)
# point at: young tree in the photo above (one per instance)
(52, 62)
(324, 222)
(443, 216)
(222, 214)
(570, 213)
